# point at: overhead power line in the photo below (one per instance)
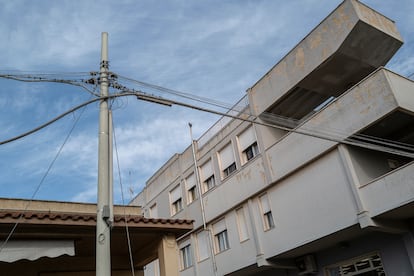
(80, 82)
(254, 120)
(39, 185)
(235, 112)
(184, 95)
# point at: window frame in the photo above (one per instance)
(227, 160)
(247, 142)
(177, 206)
(222, 241)
(202, 240)
(229, 170)
(186, 257)
(191, 191)
(242, 224)
(176, 202)
(268, 220)
(221, 238)
(353, 263)
(209, 183)
(254, 149)
(266, 212)
(153, 209)
(191, 195)
(207, 179)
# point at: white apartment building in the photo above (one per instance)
(316, 178)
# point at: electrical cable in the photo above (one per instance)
(42, 181)
(292, 123)
(183, 94)
(337, 134)
(51, 121)
(294, 130)
(279, 119)
(276, 119)
(79, 83)
(131, 259)
(143, 96)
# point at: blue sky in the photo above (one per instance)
(213, 49)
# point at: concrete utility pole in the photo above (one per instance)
(103, 229)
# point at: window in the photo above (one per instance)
(227, 171)
(207, 176)
(186, 257)
(221, 240)
(250, 152)
(191, 194)
(153, 268)
(248, 145)
(202, 245)
(209, 183)
(227, 161)
(176, 200)
(190, 186)
(177, 206)
(268, 222)
(366, 265)
(153, 211)
(241, 224)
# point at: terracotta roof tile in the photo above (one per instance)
(86, 218)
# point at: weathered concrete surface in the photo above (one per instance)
(365, 104)
(349, 44)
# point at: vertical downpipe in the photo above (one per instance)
(200, 195)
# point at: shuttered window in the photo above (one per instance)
(190, 187)
(176, 200)
(207, 176)
(221, 240)
(268, 222)
(206, 170)
(154, 211)
(241, 224)
(227, 161)
(202, 245)
(186, 256)
(248, 145)
(247, 138)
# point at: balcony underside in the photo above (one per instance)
(345, 48)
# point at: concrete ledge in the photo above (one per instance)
(344, 48)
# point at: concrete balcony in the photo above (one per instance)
(391, 196)
(382, 105)
(348, 45)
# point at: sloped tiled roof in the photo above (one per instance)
(39, 217)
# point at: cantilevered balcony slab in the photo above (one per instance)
(392, 195)
(348, 45)
(381, 105)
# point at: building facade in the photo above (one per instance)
(317, 174)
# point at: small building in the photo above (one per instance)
(316, 177)
(41, 238)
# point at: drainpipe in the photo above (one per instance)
(203, 214)
(363, 215)
(256, 239)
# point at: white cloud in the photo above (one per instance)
(215, 49)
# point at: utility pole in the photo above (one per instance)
(103, 227)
